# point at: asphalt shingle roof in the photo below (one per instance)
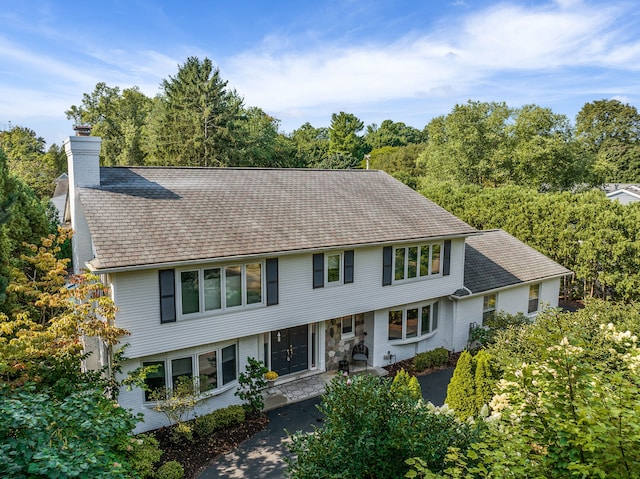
(143, 215)
(495, 259)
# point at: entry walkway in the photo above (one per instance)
(261, 457)
(307, 387)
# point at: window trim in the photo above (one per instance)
(244, 304)
(434, 313)
(352, 319)
(418, 276)
(490, 309)
(167, 361)
(536, 299)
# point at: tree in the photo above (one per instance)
(490, 144)
(311, 145)
(42, 335)
(343, 136)
(391, 134)
(610, 130)
(119, 118)
(194, 121)
(27, 159)
(461, 392)
(484, 380)
(23, 219)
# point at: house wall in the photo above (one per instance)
(509, 300)
(136, 294)
(134, 399)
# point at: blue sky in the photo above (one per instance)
(404, 60)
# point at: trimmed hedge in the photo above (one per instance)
(205, 425)
(430, 359)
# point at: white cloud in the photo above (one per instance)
(478, 48)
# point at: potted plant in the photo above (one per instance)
(271, 377)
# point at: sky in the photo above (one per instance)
(300, 61)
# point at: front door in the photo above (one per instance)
(290, 350)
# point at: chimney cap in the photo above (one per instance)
(82, 130)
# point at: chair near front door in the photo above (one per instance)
(290, 350)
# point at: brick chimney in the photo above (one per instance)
(83, 160)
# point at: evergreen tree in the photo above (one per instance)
(461, 393)
(343, 136)
(483, 379)
(194, 121)
(406, 385)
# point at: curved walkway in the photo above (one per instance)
(261, 457)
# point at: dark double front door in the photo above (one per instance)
(290, 350)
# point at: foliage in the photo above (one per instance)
(490, 144)
(369, 432)
(311, 145)
(142, 452)
(461, 392)
(41, 339)
(251, 382)
(194, 122)
(271, 375)
(170, 470)
(28, 160)
(484, 379)
(218, 419)
(610, 130)
(484, 335)
(23, 219)
(390, 134)
(119, 119)
(81, 435)
(430, 359)
(343, 136)
(177, 404)
(404, 384)
(587, 233)
(567, 404)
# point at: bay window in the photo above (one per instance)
(209, 370)
(412, 322)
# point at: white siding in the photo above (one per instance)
(137, 297)
(511, 300)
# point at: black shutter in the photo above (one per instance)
(348, 266)
(272, 281)
(167, 295)
(446, 266)
(318, 270)
(387, 265)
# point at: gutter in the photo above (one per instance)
(219, 259)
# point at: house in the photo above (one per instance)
(210, 266)
(625, 194)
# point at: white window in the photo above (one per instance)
(413, 322)
(534, 296)
(419, 261)
(209, 370)
(213, 289)
(348, 326)
(333, 268)
(488, 307)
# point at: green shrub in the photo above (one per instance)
(142, 453)
(83, 435)
(182, 432)
(461, 392)
(430, 359)
(484, 379)
(406, 385)
(205, 425)
(369, 431)
(250, 385)
(170, 470)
